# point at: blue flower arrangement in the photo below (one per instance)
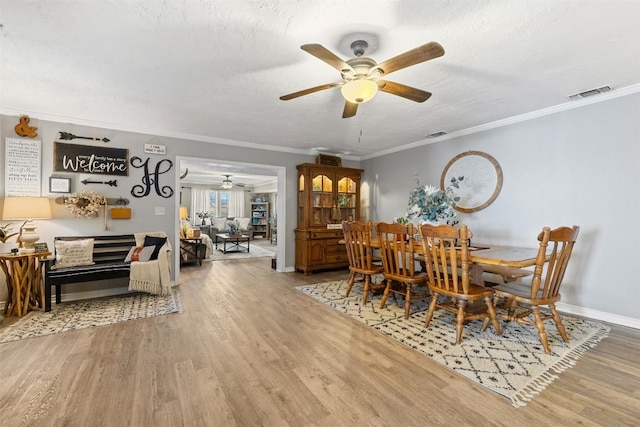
(232, 227)
(429, 203)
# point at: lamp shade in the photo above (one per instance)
(184, 214)
(359, 91)
(26, 208)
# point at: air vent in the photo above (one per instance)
(436, 134)
(590, 92)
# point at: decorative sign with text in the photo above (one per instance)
(155, 149)
(41, 247)
(22, 167)
(90, 159)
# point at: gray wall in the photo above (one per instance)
(579, 166)
(143, 217)
(574, 167)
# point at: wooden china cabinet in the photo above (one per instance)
(327, 195)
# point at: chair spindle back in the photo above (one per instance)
(557, 244)
(357, 237)
(442, 257)
(397, 249)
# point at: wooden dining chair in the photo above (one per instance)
(357, 237)
(399, 263)
(524, 299)
(448, 270)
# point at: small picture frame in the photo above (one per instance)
(41, 247)
(59, 185)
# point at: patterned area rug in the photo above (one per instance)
(513, 365)
(90, 313)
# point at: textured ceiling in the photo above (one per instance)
(211, 174)
(212, 70)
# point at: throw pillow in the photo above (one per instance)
(158, 242)
(70, 253)
(142, 254)
(219, 223)
(243, 223)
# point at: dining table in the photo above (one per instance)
(506, 261)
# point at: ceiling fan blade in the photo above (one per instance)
(308, 91)
(350, 109)
(404, 91)
(327, 56)
(411, 57)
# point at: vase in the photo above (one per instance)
(203, 222)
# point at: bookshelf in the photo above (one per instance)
(260, 219)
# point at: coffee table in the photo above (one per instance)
(234, 241)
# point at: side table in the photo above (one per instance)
(25, 287)
(192, 250)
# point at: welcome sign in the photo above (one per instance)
(90, 159)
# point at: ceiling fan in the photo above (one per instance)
(227, 184)
(361, 76)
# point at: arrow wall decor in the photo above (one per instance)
(69, 136)
(113, 182)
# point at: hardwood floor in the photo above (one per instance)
(250, 350)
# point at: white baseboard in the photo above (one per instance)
(599, 315)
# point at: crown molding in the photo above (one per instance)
(155, 133)
(617, 93)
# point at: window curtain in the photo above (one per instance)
(236, 204)
(199, 203)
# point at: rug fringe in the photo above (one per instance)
(150, 287)
(529, 392)
(539, 384)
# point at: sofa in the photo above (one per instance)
(217, 226)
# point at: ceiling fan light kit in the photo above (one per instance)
(226, 183)
(359, 90)
(362, 76)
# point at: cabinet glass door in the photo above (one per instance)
(347, 199)
(321, 199)
(301, 201)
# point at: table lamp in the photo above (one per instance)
(27, 208)
(184, 214)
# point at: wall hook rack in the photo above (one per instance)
(120, 201)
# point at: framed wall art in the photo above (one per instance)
(59, 185)
(481, 183)
(78, 158)
(22, 167)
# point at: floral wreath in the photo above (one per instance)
(85, 204)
